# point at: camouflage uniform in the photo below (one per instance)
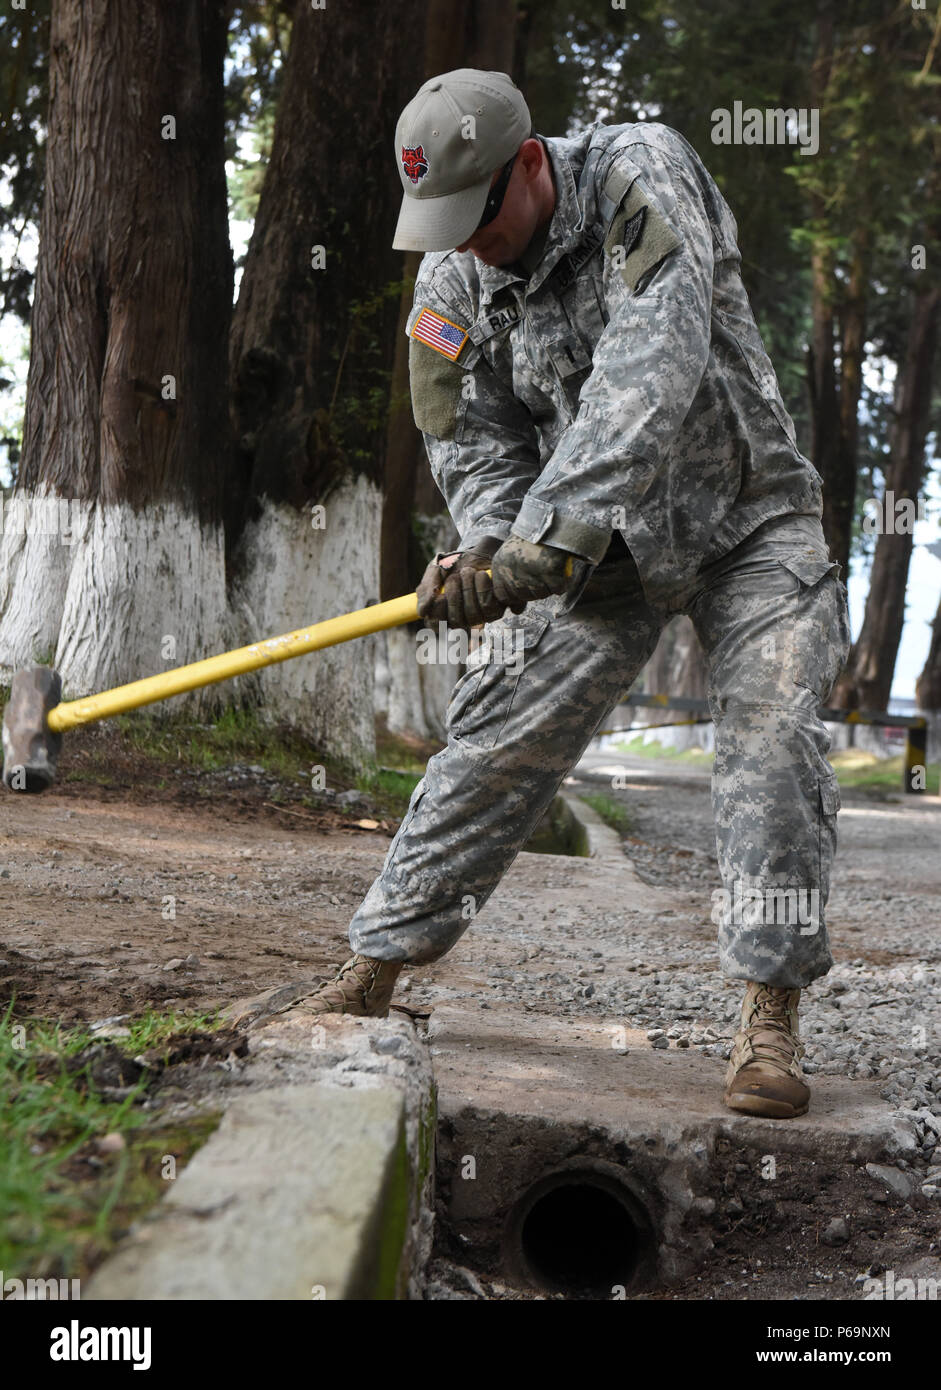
(618, 404)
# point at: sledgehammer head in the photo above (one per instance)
(30, 748)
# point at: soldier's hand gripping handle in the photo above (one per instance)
(524, 570)
(457, 588)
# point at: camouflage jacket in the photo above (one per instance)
(623, 386)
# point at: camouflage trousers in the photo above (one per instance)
(772, 619)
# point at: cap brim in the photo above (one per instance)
(439, 224)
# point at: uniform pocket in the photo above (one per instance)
(827, 830)
(830, 802)
(462, 696)
(809, 568)
(483, 699)
(821, 634)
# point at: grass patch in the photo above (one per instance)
(610, 811)
(152, 1029)
(63, 1203)
(141, 748)
(390, 788)
(236, 736)
(862, 770)
(656, 749)
(854, 767)
(406, 752)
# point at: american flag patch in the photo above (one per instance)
(439, 333)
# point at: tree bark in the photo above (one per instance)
(830, 456)
(840, 490)
(311, 353)
(928, 686)
(126, 418)
(469, 33)
(866, 682)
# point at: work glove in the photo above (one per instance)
(523, 570)
(468, 598)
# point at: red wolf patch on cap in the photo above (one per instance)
(414, 162)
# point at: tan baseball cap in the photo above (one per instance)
(454, 134)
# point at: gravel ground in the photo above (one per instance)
(878, 1012)
(876, 1015)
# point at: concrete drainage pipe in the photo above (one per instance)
(582, 1230)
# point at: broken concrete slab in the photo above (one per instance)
(537, 1101)
(585, 1070)
(318, 1182)
(892, 1178)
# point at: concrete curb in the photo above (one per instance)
(604, 844)
(318, 1183)
(605, 847)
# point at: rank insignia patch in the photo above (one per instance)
(440, 333)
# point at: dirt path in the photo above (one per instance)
(98, 899)
(100, 896)
(112, 904)
(886, 880)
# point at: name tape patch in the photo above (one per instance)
(494, 322)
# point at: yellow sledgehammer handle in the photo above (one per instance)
(365, 621)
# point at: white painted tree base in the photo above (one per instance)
(135, 593)
(415, 696)
(34, 576)
(292, 575)
(146, 593)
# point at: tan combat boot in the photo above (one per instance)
(362, 987)
(764, 1075)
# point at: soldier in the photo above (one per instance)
(596, 402)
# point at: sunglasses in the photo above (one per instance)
(497, 194)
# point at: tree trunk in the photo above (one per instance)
(470, 33)
(840, 490)
(126, 420)
(928, 686)
(928, 691)
(829, 453)
(312, 348)
(677, 668)
(866, 682)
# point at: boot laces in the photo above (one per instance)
(768, 1037)
(352, 973)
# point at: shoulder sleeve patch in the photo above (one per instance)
(436, 384)
(436, 376)
(639, 237)
(439, 333)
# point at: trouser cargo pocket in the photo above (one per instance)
(483, 698)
